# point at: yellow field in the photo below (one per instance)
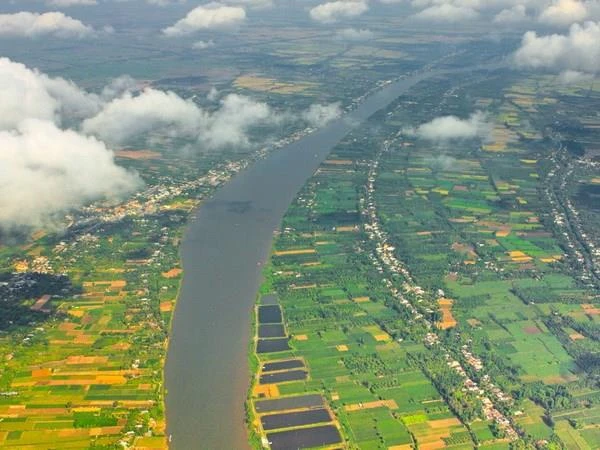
(339, 162)
(501, 137)
(374, 52)
(304, 286)
(576, 336)
(519, 256)
(114, 284)
(378, 334)
(166, 306)
(173, 273)
(391, 404)
(306, 251)
(263, 84)
(266, 390)
(551, 259)
(590, 309)
(432, 436)
(72, 361)
(138, 154)
(448, 320)
(465, 249)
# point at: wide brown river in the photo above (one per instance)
(224, 248)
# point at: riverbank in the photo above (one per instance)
(222, 254)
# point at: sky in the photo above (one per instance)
(59, 129)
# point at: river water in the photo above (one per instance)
(224, 248)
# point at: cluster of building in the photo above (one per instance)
(384, 252)
(385, 258)
(490, 412)
(567, 219)
(471, 359)
(153, 198)
(150, 200)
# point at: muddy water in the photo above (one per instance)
(223, 250)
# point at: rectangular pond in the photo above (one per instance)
(271, 330)
(282, 404)
(282, 365)
(304, 438)
(269, 314)
(295, 419)
(282, 377)
(272, 345)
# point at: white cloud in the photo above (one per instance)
(213, 94)
(504, 12)
(166, 114)
(564, 13)
(354, 34)
(210, 16)
(448, 128)
(164, 2)
(46, 171)
(27, 93)
(447, 13)
(74, 103)
(228, 126)
(119, 87)
(579, 50)
(129, 116)
(574, 77)
(28, 24)
(53, 155)
(334, 11)
(516, 14)
(256, 4)
(202, 45)
(67, 3)
(319, 115)
(23, 95)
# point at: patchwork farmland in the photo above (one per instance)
(426, 296)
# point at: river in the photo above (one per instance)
(224, 248)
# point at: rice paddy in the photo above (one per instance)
(468, 222)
